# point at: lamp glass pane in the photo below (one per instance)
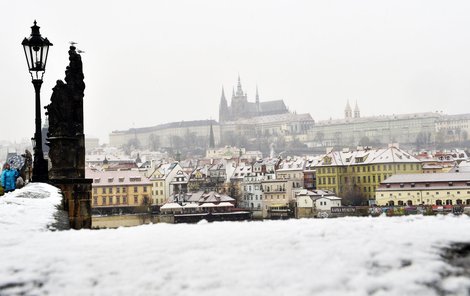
(27, 52)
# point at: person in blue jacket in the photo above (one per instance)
(8, 178)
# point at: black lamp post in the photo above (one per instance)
(36, 49)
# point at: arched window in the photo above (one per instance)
(391, 203)
(449, 202)
(438, 202)
(400, 203)
(409, 203)
(459, 201)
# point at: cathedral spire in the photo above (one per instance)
(211, 138)
(222, 97)
(223, 107)
(357, 113)
(239, 87)
(257, 95)
(348, 111)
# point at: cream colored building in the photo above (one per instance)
(399, 128)
(427, 189)
(451, 128)
(276, 194)
(119, 188)
(162, 178)
(166, 135)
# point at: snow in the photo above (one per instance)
(344, 256)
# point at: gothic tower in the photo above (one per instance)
(239, 104)
(223, 108)
(348, 111)
(211, 138)
(357, 113)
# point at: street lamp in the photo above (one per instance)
(36, 49)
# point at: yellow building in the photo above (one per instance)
(361, 171)
(427, 189)
(119, 188)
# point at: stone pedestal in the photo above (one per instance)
(76, 201)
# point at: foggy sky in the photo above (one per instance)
(151, 62)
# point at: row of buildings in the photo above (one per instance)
(275, 186)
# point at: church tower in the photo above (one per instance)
(211, 138)
(347, 111)
(357, 113)
(223, 108)
(239, 105)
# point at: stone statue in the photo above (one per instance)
(65, 112)
(67, 143)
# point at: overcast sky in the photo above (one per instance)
(151, 62)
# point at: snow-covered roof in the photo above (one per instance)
(171, 205)
(420, 178)
(114, 178)
(225, 204)
(367, 156)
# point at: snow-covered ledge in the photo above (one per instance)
(344, 256)
(32, 208)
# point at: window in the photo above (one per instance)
(110, 189)
(118, 190)
(95, 201)
(402, 185)
(136, 199)
(103, 190)
(451, 183)
(124, 200)
(103, 201)
(135, 189)
(123, 189)
(145, 188)
(110, 200)
(95, 190)
(118, 200)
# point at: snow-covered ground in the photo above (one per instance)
(347, 256)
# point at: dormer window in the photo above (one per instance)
(121, 179)
(451, 183)
(97, 180)
(110, 180)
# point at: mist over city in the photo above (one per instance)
(235, 147)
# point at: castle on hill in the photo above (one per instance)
(240, 107)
